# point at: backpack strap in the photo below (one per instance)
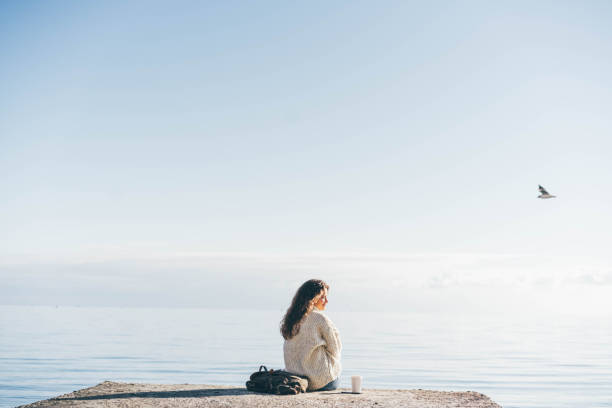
(264, 367)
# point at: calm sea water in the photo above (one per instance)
(526, 362)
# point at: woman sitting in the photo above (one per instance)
(312, 342)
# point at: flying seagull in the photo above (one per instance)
(544, 193)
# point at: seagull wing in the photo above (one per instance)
(542, 190)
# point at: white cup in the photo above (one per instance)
(356, 384)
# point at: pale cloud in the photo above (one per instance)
(360, 281)
(593, 277)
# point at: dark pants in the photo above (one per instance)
(331, 386)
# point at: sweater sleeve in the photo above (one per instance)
(332, 337)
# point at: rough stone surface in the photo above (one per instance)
(112, 394)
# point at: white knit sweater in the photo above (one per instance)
(315, 350)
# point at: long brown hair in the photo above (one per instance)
(301, 305)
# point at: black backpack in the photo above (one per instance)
(276, 382)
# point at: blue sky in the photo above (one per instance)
(271, 134)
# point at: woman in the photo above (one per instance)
(312, 342)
